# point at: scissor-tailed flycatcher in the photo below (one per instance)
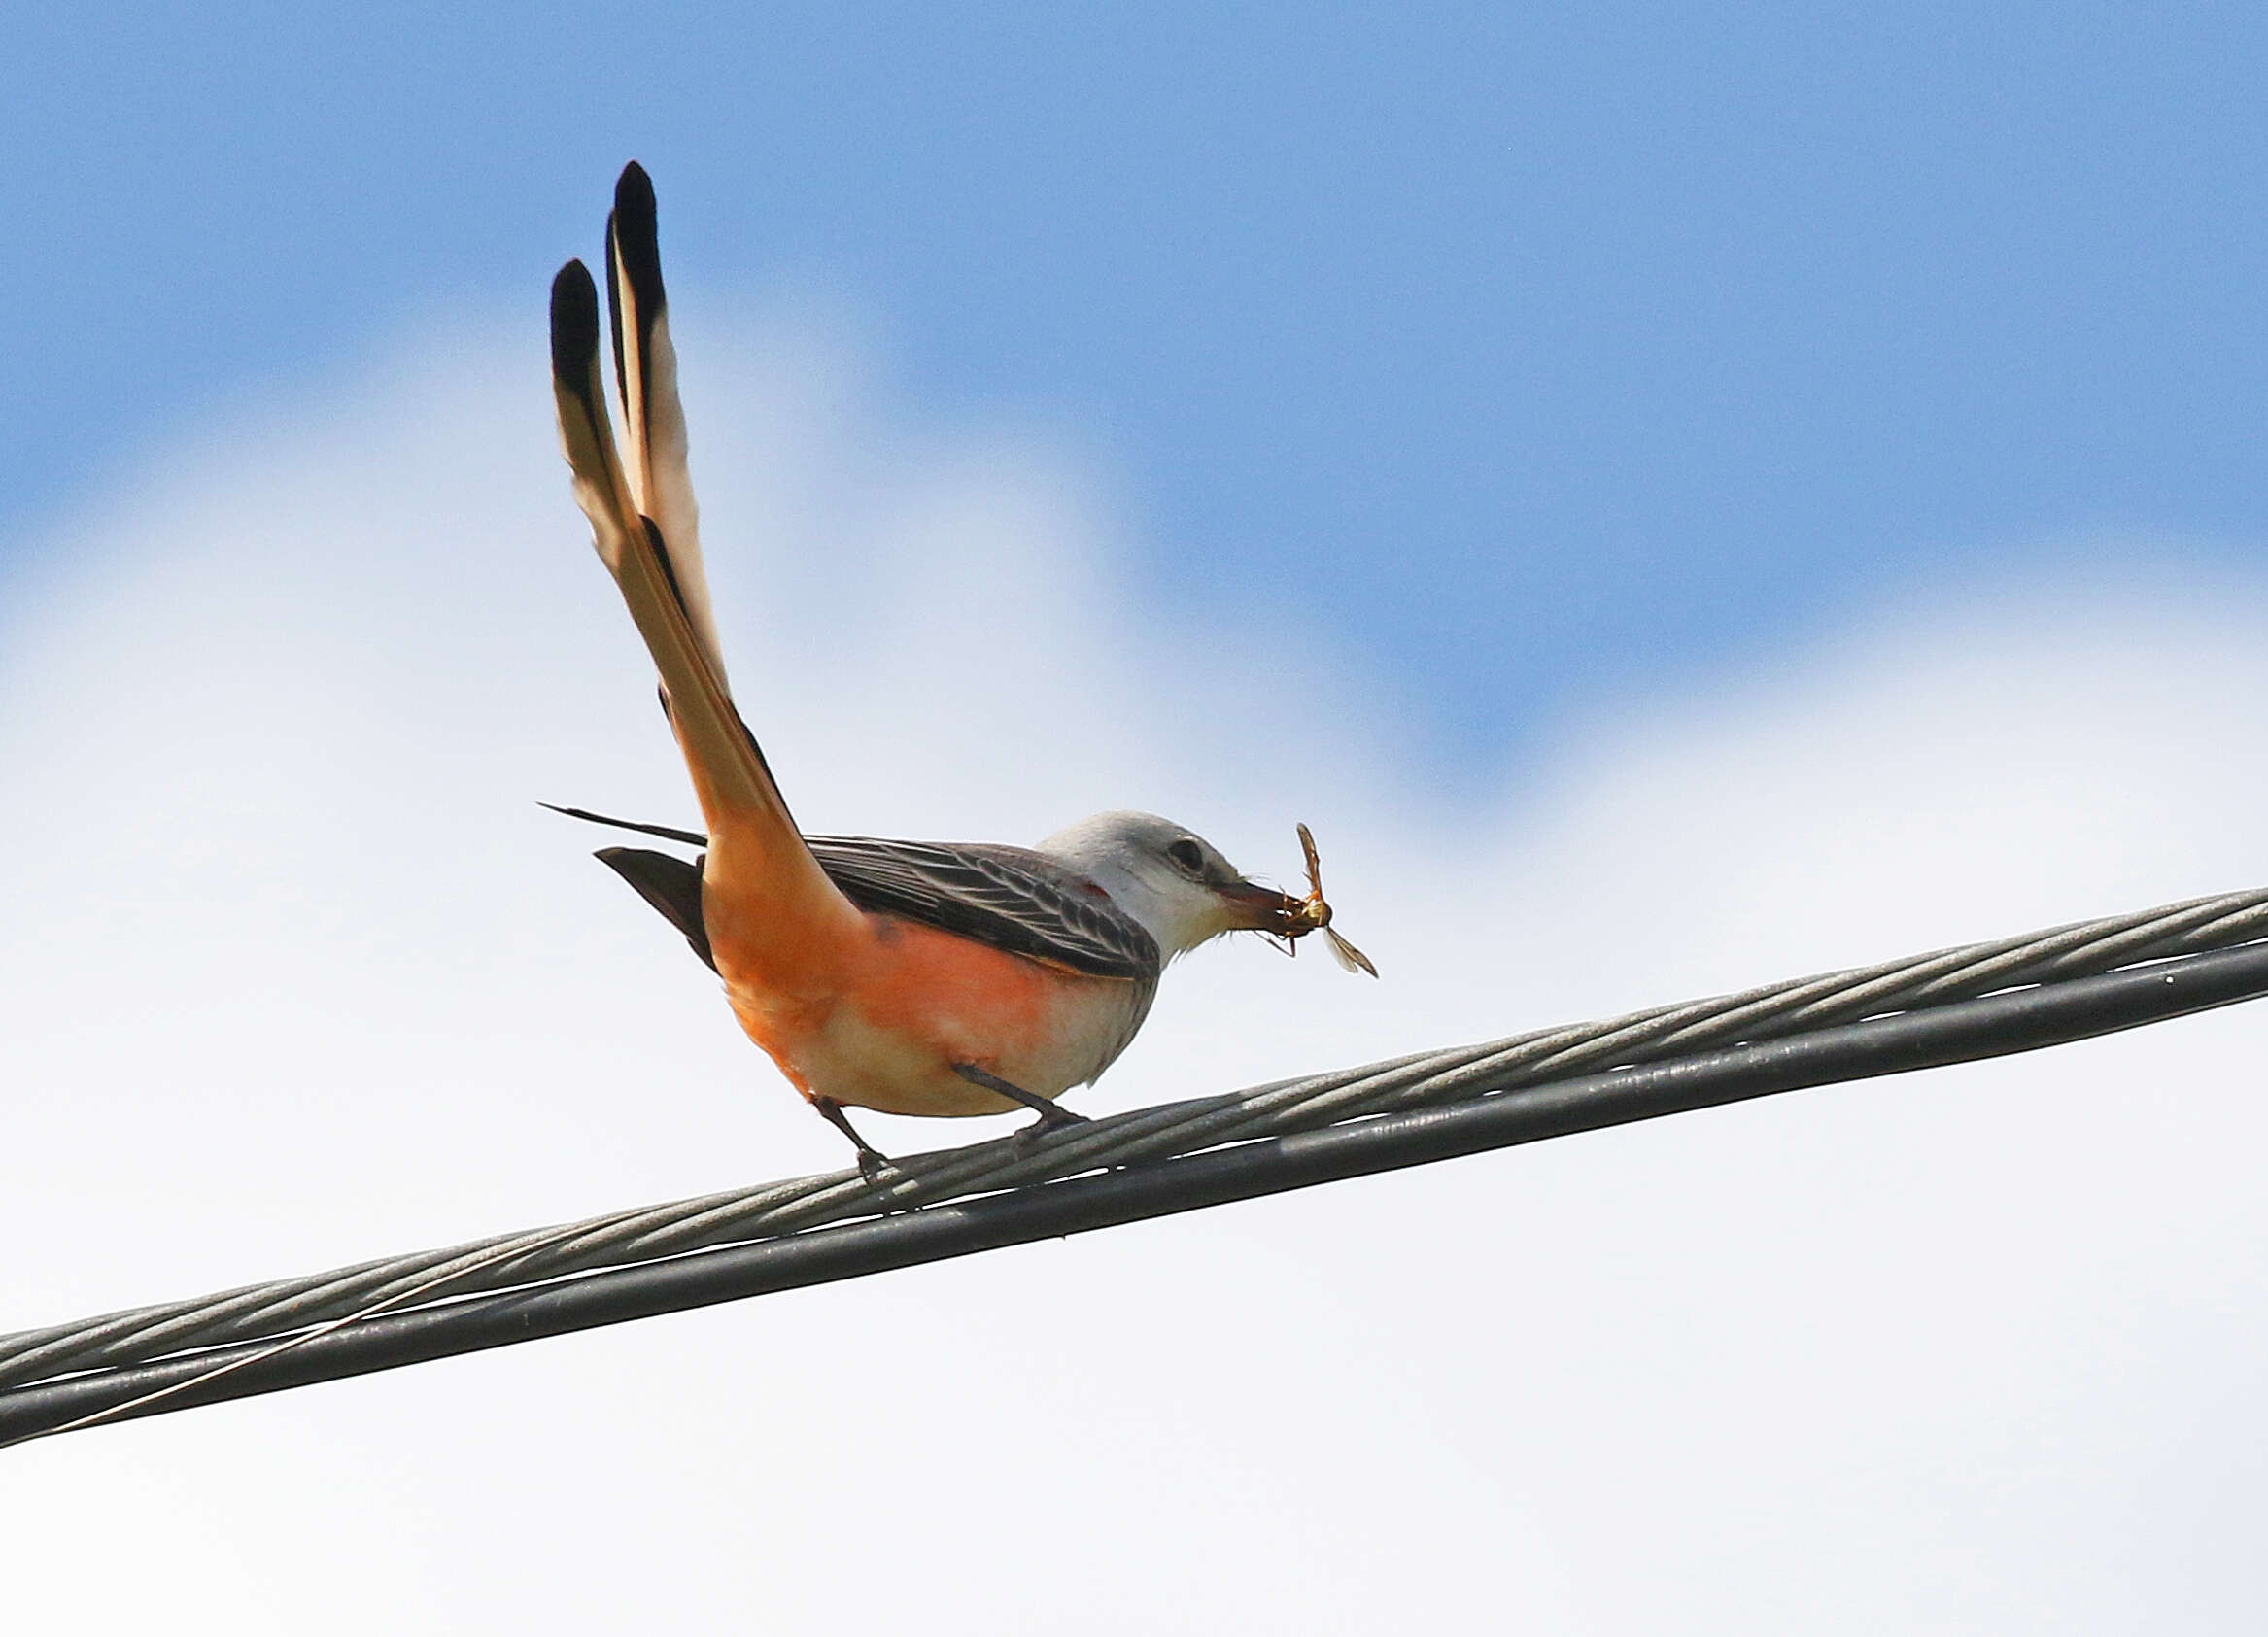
(913, 977)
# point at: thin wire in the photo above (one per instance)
(2008, 1020)
(174, 1389)
(294, 1307)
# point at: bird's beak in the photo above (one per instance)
(1253, 907)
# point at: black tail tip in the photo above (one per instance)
(634, 191)
(574, 322)
(633, 237)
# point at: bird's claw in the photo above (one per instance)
(1053, 1117)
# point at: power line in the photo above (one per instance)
(1953, 1006)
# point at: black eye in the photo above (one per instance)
(1187, 856)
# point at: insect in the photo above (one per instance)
(1313, 914)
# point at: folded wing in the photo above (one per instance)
(1007, 898)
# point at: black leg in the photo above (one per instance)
(870, 1159)
(1051, 1112)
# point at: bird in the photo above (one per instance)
(909, 977)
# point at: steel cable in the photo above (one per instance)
(280, 1309)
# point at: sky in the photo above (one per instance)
(1676, 500)
(1532, 358)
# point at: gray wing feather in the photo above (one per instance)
(1009, 897)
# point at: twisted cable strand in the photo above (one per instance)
(650, 1233)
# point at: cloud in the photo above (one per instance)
(297, 974)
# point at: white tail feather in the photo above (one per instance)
(660, 475)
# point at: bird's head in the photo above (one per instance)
(1172, 880)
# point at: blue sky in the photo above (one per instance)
(1600, 390)
(1527, 359)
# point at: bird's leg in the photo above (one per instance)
(870, 1159)
(1053, 1114)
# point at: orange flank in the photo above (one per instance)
(876, 1010)
(878, 1015)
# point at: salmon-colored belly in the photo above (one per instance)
(882, 1025)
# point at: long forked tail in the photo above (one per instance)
(665, 593)
(653, 419)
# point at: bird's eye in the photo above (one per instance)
(1187, 856)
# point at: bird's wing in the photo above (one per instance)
(754, 834)
(1009, 897)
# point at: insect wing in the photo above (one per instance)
(1350, 957)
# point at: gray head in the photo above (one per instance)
(1168, 878)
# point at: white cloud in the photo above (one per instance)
(296, 973)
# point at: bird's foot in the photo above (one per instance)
(1054, 1116)
(870, 1159)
